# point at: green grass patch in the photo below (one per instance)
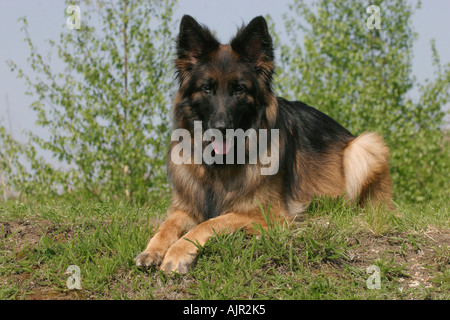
(324, 255)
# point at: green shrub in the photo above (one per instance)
(108, 112)
(363, 78)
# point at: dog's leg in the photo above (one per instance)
(183, 253)
(169, 232)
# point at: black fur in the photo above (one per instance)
(308, 131)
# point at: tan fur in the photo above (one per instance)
(366, 167)
(271, 112)
(182, 254)
(320, 176)
(169, 232)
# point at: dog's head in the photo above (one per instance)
(225, 86)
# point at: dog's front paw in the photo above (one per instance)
(179, 258)
(153, 255)
(148, 259)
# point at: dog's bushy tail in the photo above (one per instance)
(366, 168)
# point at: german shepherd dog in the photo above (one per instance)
(230, 87)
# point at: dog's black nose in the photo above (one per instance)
(219, 124)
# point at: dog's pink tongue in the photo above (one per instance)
(221, 147)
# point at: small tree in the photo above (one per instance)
(108, 112)
(362, 78)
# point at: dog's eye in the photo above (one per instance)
(207, 88)
(239, 89)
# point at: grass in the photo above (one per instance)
(323, 256)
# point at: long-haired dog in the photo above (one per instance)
(224, 87)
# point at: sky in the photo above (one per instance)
(46, 18)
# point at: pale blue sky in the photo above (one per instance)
(46, 18)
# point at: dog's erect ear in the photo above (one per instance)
(194, 43)
(253, 43)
